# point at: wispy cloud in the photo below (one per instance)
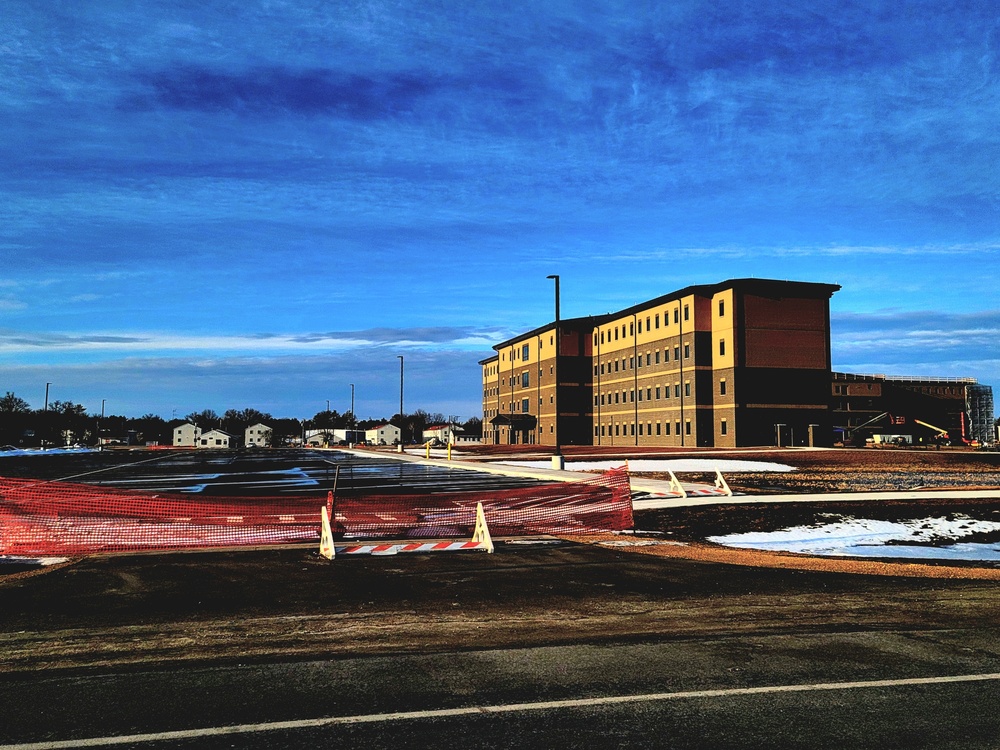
(15, 342)
(921, 343)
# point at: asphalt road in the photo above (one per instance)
(860, 689)
(563, 646)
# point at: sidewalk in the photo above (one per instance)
(662, 494)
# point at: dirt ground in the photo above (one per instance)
(815, 471)
(266, 604)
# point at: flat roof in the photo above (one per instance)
(767, 287)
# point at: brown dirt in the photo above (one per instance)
(703, 552)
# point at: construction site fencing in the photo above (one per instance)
(60, 518)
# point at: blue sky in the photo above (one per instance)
(255, 204)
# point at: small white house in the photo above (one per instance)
(257, 436)
(383, 434)
(217, 439)
(187, 435)
(443, 433)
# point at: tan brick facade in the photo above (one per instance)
(715, 365)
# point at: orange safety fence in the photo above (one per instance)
(60, 518)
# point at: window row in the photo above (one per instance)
(648, 359)
(650, 429)
(651, 394)
(652, 322)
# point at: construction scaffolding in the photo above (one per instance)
(979, 411)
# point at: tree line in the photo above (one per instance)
(67, 423)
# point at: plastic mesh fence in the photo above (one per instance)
(57, 518)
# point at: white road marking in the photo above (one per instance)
(272, 726)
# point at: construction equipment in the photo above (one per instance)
(939, 433)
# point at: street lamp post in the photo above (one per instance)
(354, 431)
(100, 445)
(777, 429)
(399, 448)
(558, 462)
(46, 409)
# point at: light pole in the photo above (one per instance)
(557, 459)
(400, 448)
(354, 421)
(46, 409)
(777, 429)
(100, 445)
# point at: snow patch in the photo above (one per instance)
(42, 452)
(701, 465)
(932, 537)
(43, 561)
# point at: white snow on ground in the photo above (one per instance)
(663, 464)
(46, 452)
(863, 537)
(14, 559)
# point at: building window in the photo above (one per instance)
(616, 333)
(525, 379)
(640, 429)
(631, 329)
(525, 406)
(602, 337)
(657, 320)
(595, 400)
(631, 363)
(616, 365)
(676, 315)
(657, 428)
(649, 359)
(649, 394)
(723, 428)
(687, 388)
(647, 323)
(677, 390)
(595, 369)
(722, 312)
(657, 360)
(640, 326)
(687, 427)
(632, 429)
(602, 430)
(677, 353)
(631, 397)
(722, 347)
(602, 368)
(640, 394)
(687, 351)
(657, 393)
(722, 387)
(686, 312)
(639, 363)
(595, 344)
(616, 397)
(616, 430)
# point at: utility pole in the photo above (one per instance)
(401, 422)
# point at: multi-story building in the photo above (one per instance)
(257, 435)
(383, 434)
(187, 435)
(521, 403)
(742, 362)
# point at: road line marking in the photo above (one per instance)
(187, 734)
